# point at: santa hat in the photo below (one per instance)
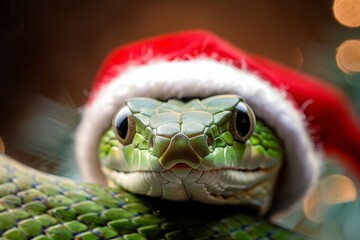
(303, 112)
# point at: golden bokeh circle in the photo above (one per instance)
(347, 12)
(348, 56)
(2, 146)
(337, 189)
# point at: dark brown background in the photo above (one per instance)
(51, 50)
(54, 48)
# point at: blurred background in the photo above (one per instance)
(50, 52)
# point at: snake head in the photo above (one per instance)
(210, 150)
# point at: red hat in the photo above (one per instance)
(199, 64)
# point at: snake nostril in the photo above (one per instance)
(210, 141)
(151, 142)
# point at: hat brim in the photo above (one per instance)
(202, 77)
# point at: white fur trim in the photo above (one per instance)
(200, 78)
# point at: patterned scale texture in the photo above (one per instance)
(34, 205)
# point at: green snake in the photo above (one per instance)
(155, 155)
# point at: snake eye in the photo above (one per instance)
(124, 125)
(242, 124)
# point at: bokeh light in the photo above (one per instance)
(347, 12)
(298, 58)
(336, 189)
(2, 146)
(333, 189)
(311, 206)
(348, 56)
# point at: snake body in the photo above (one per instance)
(222, 164)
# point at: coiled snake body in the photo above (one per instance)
(213, 151)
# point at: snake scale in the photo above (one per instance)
(213, 152)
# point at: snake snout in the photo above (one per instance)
(179, 152)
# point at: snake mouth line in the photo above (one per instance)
(188, 168)
(182, 166)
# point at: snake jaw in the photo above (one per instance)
(217, 186)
